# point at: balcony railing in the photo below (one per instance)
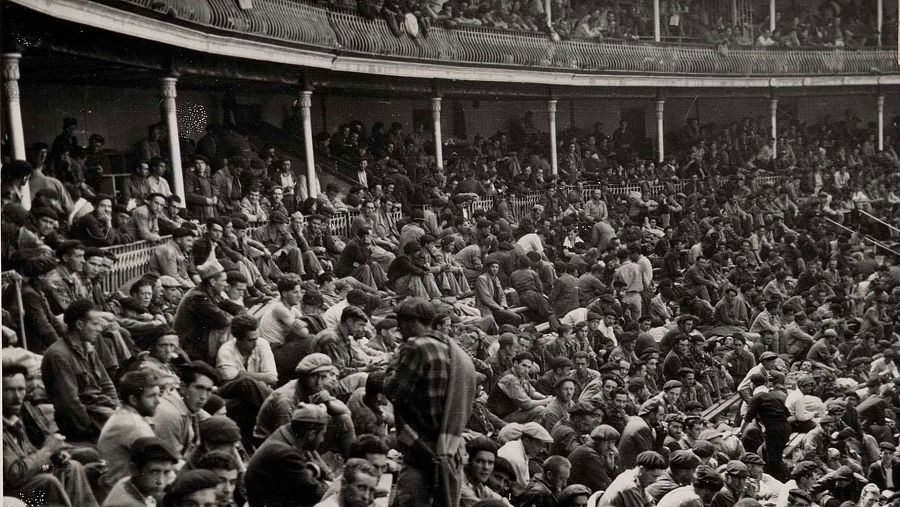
(295, 22)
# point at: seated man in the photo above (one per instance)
(491, 298)
(356, 260)
(409, 275)
(83, 395)
(514, 399)
(45, 476)
(150, 466)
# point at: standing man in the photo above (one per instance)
(769, 409)
(432, 389)
(83, 395)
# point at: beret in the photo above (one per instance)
(804, 468)
(749, 458)
(683, 460)
(313, 298)
(674, 418)
(735, 467)
(571, 491)
(564, 379)
(416, 308)
(314, 363)
(583, 408)
(67, 246)
(214, 403)
(219, 429)
(278, 217)
(672, 384)
(147, 449)
(636, 383)
(581, 325)
(386, 324)
(708, 478)
(704, 449)
(605, 432)
(353, 312)
(182, 232)
(830, 332)
(595, 316)
(627, 338)
(609, 367)
(490, 262)
(799, 493)
(309, 413)
(188, 482)
(239, 223)
(651, 460)
(37, 266)
(481, 444)
(827, 419)
(417, 214)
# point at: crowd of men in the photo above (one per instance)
(708, 340)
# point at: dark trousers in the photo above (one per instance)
(777, 435)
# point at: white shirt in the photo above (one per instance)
(531, 243)
(230, 361)
(796, 405)
(514, 452)
(332, 316)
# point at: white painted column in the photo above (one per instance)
(880, 122)
(11, 102)
(554, 159)
(879, 18)
(312, 183)
(772, 15)
(660, 134)
(549, 13)
(12, 105)
(170, 117)
(656, 27)
(773, 111)
(436, 119)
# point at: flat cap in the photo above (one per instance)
(416, 308)
(169, 281)
(147, 449)
(704, 449)
(767, 356)
(386, 324)
(277, 217)
(672, 384)
(736, 468)
(314, 363)
(749, 458)
(651, 460)
(605, 432)
(536, 431)
(594, 316)
(684, 460)
(887, 446)
(708, 478)
(571, 491)
(310, 413)
(560, 362)
(219, 429)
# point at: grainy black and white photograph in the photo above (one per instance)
(450, 253)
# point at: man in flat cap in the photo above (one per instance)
(641, 433)
(314, 384)
(770, 411)
(432, 388)
(704, 484)
(736, 475)
(629, 488)
(174, 258)
(595, 464)
(287, 469)
(151, 461)
(682, 465)
(204, 314)
(885, 473)
(288, 253)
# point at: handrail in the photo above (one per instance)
(864, 237)
(341, 32)
(882, 222)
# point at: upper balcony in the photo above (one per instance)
(325, 36)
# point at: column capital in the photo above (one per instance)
(881, 101)
(167, 87)
(435, 104)
(660, 106)
(306, 99)
(551, 105)
(11, 66)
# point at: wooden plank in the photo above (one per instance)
(719, 408)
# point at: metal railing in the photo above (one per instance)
(296, 22)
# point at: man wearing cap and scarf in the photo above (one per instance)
(629, 488)
(642, 433)
(682, 465)
(432, 388)
(735, 475)
(204, 315)
(595, 464)
(313, 384)
(491, 298)
(885, 473)
(699, 491)
(287, 469)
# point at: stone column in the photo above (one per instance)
(312, 183)
(12, 105)
(772, 15)
(551, 112)
(436, 125)
(170, 117)
(656, 22)
(773, 111)
(880, 122)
